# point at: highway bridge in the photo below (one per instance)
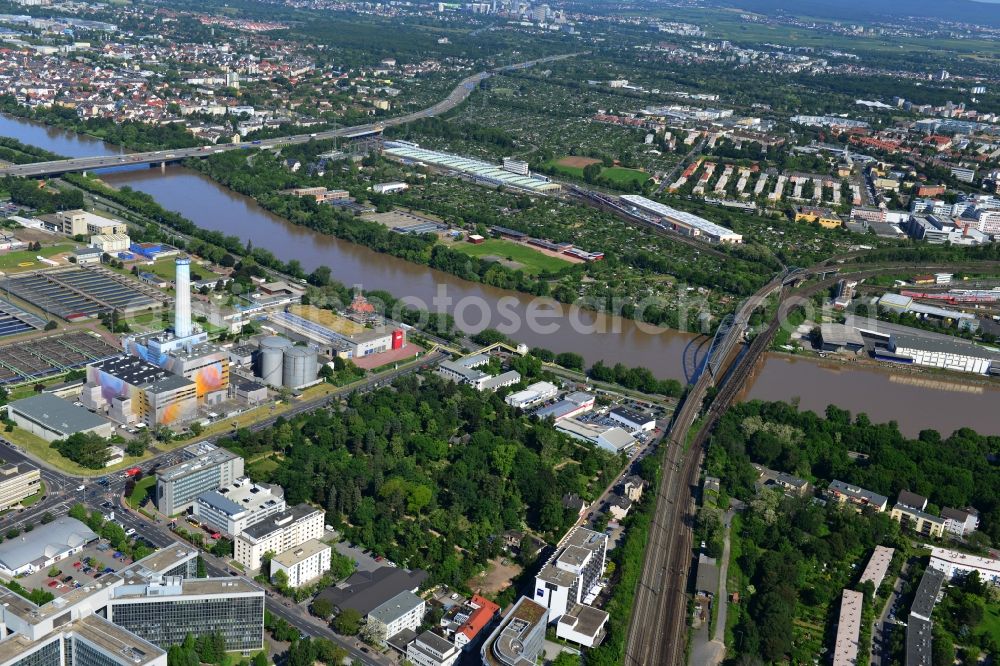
(157, 157)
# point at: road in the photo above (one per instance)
(458, 95)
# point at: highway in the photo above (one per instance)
(458, 95)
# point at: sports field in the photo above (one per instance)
(573, 166)
(531, 261)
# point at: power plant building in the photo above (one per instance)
(281, 363)
(130, 390)
(185, 350)
(336, 335)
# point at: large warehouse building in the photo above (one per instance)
(51, 418)
(683, 222)
(479, 171)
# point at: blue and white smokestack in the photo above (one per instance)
(182, 307)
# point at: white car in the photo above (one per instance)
(130, 531)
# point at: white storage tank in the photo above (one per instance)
(300, 367)
(271, 358)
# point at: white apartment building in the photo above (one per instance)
(303, 563)
(277, 534)
(404, 611)
(429, 649)
(233, 508)
(954, 564)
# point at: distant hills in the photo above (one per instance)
(861, 10)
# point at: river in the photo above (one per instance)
(881, 394)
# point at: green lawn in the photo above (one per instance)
(617, 176)
(141, 492)
(532, 261)
(622, 176)
(166, 269)
(990, 624)
(11, 260)
(29, 501)
(41, 449)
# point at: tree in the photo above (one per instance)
(566, 659)
(347, 622)
(322, 607)
(373, 632)
(280, 578)
(79, 512)
(47, 518)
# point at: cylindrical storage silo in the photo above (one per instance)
(300, 367)
(271, 358)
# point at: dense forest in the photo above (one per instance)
(956, 471)
(430, 474)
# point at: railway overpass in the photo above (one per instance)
(157, 157)
(658, 627)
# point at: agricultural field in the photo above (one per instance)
(513, 255)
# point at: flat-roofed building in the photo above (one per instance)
(404, 611)
(845, 649)
(235, 507)
(520, 638)
(859, 497)
(877, 567)
(429, 649)
(919, 626)
(572, 405)
(534, 394)
(206, 467)
(17, 482)
(53, 418)
(130, 389)
(278, 533)
(583, 625)
(633, 420)
(958, 565)
(303, 563)
(572, 572)
(682, 221)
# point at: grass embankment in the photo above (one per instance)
(532, 261)
(734, 577)
(39, 448)
(141, 491)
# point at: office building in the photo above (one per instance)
(82, 223)
(824, 217)
(845, 650)
(44, 546)
(520, 167)
(612, 439)
(583, 625)
(404, 611)
(682, 221)
(571, 573)
(53, 418)
(939, 230)
(954, 564)
(465, 371)
(534, 394)
(632, 420)
(277, 533)
(302, 564)
(860, 498)
(17, 482)
(429, 649)
(520, 638)
(128, 618)
(165, 609)
(572, 405)
(232, 508)
(204, 468)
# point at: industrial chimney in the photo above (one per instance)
(182, 307)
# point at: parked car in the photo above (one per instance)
(53, 583)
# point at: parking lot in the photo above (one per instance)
(90, 564)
